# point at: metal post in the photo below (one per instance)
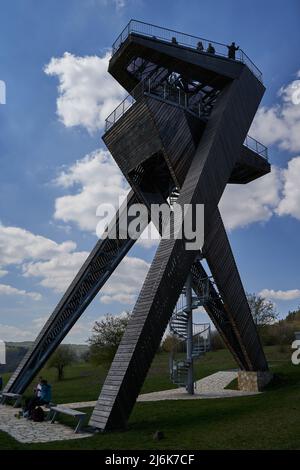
(189, 343)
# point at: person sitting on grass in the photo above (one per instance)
(43, 399)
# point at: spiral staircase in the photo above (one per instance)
(178, 326)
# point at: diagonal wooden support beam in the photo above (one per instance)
(220, 259)
(219, 315)
(205, 182)
(142, 337)
(97, 269)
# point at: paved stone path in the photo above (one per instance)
(80, 404)
(30, 432)
(209, 387)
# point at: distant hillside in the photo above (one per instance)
(293, 318)
(20, 344)
(283, 331)
(14, 354)
(15, 351)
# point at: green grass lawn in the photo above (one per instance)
(267, 421)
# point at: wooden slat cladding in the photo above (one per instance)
(205, 182)
(179, 137)
(96, 270)
(219, 316)
(133, 138)
(151, 126)
(221, 262)
(249, 167)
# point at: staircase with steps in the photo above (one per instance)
(179, 327)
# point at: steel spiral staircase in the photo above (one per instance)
(178, 326)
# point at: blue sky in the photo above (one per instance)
(54, 169)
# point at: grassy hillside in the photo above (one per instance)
(267, 421)
(15, 351)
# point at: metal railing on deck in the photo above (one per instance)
(173, 95)
(165, 92)
(256, 146)
(182, 39)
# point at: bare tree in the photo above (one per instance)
(263, 311)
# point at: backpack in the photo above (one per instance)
(38, 415)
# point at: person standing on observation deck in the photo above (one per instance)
(232, 50)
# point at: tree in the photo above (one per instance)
(216, 341)
(293, 316)
(107, 334)
(263, 311)
(63, 357)
(171, 344)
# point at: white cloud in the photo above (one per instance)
(280, 124)
(18, 244)
(80, 332)
(98, 180)
(39, 322)
(117, 4)
(87, 92)
(242, 205)
(58, 272)
(120, 4)
(290, 202)
(278, 193)
(280, 294)
(13, 333)
(150, 237)
(13, 291)
(28, 251)
(125, 282)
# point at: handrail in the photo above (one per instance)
(256, 146)
(177, 97)
(201, 329)
(182, 39)
(148, 87)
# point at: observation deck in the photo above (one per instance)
(174, 50)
